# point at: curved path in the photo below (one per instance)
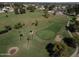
(75, 53)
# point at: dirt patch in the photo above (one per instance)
(13, 50)
(58, 38)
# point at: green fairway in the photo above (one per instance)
(45, 32)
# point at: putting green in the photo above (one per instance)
(46, 34)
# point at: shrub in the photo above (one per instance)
(8, 28)
(18, 25)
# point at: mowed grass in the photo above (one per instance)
(56, 24)
(46, 31)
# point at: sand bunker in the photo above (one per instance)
(13, 50)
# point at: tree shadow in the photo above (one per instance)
(50, 50)
(70, 42)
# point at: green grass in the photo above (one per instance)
(52, 29)
(46, 32)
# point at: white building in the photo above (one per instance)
(9, 9)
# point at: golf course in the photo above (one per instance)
(27, 45)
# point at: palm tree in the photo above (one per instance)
(21, 35)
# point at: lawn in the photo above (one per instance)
(45, 32)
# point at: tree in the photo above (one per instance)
(70, 42)
(3, 31)
(31, 8)
(16, 10)
(19, 8)
(8, 27)
(19, 25)
(51, 7)
(77, 25)
(21, 35)
(49, 48)
(46, 6)
(1, 6)
(76, 9)
(36, 23)
(72, 9)
(55, 49)
(69, 10)
(72, 24)
(46, 15)
(71, 28)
